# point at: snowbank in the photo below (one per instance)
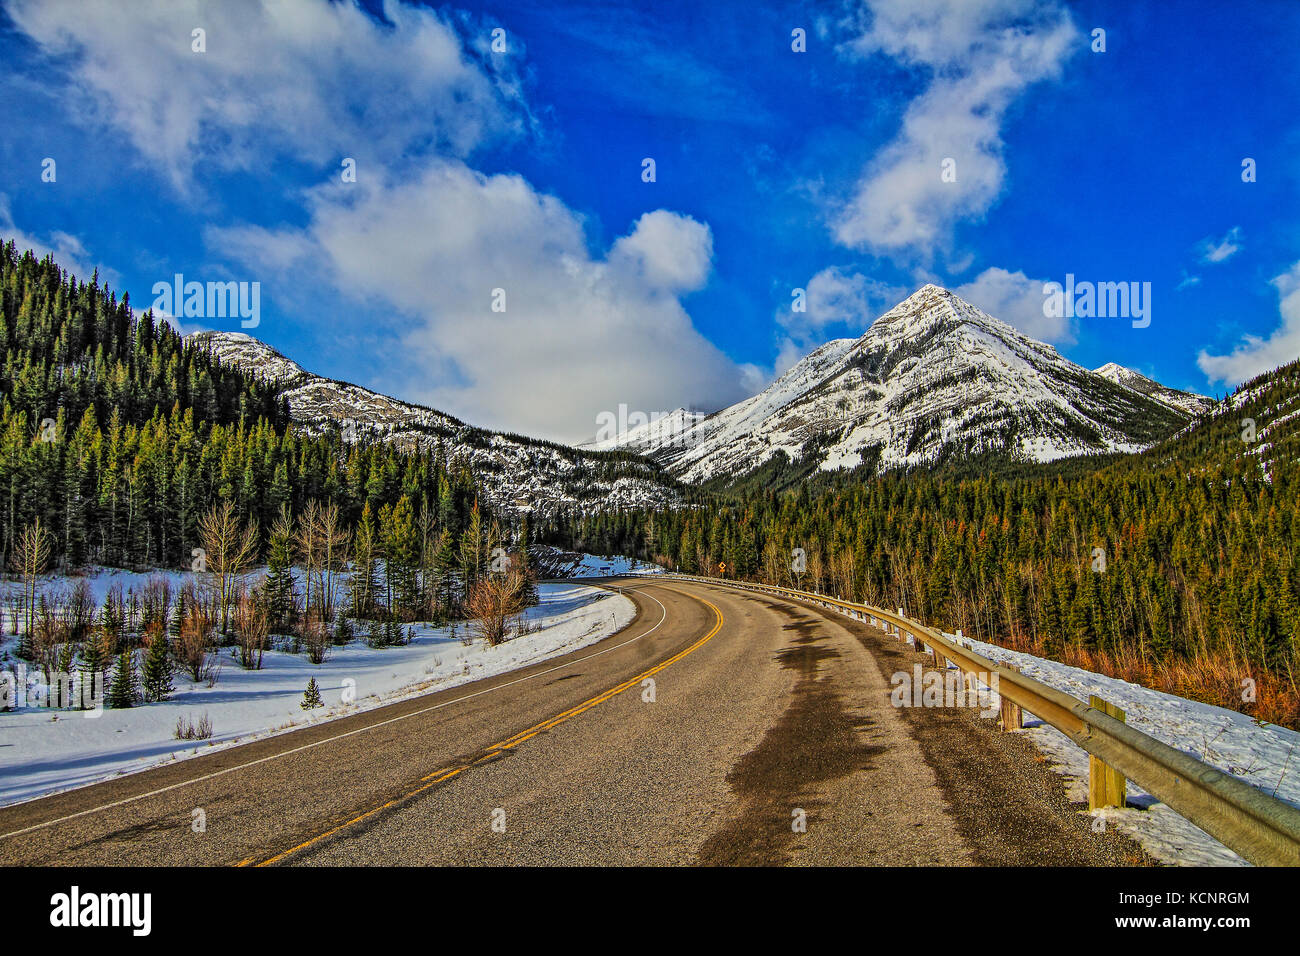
(43, 751)
(1263, 755)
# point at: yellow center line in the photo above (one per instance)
(439, 776)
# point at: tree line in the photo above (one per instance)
(323, 582)
(1176, 566)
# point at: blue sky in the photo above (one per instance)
(522, 170)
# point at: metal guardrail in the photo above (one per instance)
(1261, 828)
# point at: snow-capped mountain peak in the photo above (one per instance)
(932, 378)
(632, 430)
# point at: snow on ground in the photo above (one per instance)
(1263, 755)
(43, 750)
(596, 565)
(101, 581)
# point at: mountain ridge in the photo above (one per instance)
(1189, 402)
(934, 379)
(518, 474)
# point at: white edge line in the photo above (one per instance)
(349, 733)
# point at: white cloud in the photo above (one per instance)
(421, 235)
(1017, 300)
(1255, 355)
(981, 55)
(580, 333)
(316, 80)
(1214, 252)
(835, 296)
(667, 251)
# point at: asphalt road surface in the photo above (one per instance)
(721, 727)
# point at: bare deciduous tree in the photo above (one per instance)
(315, 637)
(47, 633)
(229, 552)
(252, 628)
(323, 549)
(155, 604)
(334, 539)
(80, 611)
(194, 637)
(309, 550)
(32, 556)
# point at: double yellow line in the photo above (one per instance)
(439, 776)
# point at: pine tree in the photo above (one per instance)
(401, 555)
(112, 621)
(343, 633)
(124, 692)
(311, 696)
(178, 617)
(157, 670)
(393, 633)
(473, 554)
(95, 657)
(365, 577)
(444, 568)
(525, 559)
(279, 576)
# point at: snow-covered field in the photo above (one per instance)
(44, 750)
(1263, 755)
(596, 565)
(554, 562)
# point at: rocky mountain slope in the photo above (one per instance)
(1188, 402)
(642, 436)
(518, 474)
(932, 379)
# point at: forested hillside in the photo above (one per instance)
(1194, 586)
(118, 437)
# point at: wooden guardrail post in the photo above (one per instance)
(1106, 785)
(1012, 717)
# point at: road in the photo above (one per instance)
(721, 727)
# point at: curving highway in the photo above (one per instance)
(719, 728)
